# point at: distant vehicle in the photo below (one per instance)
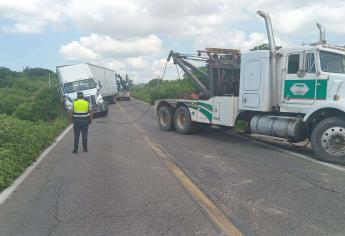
(123, 88)
(79, 78)
(106, 78)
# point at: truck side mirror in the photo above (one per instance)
(99, 83)
(302, 65)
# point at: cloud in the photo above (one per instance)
(137, 63)
(116, 18)
(135, 35)
(23, 28)
(74, 51)
(96, 44)
(304, 18)
(135, 54)
(138, 18)
(122, 48)
(31, 16)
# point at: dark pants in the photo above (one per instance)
(80, 125)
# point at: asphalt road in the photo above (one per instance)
(122, 187)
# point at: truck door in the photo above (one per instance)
(300, 87)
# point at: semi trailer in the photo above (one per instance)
(106, 78)
(79, 78)
(294, 93)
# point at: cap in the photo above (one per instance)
(80, 94)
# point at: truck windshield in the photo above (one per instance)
(79, 85)
(332, 62)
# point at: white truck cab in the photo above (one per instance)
(78, 78)
(319, 85)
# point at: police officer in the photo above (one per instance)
(82, 118)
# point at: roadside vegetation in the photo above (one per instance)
(31, 116)
(158, 89)
(162, 89)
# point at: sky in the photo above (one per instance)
(135, 36)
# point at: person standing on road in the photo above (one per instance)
(82, 118)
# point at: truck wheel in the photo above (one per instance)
(183, 121)
(328, 140)
(165, 118)
(104, 113)
(112, 100)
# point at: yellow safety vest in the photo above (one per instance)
(81, 108)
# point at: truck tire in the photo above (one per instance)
(183, 121)
(104, 113)
(111, 100)
(328, 140)
(165, 118)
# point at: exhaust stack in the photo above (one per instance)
(273, 58)
(269, 30)
(322, 30)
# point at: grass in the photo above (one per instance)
(21, 142)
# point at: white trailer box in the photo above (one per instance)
(107, 80)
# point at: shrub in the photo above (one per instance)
(158, 89)
(31, 116)
(46, 106)
(21, 142)
(24, 111)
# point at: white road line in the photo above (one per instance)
(299, 155)
(5, 194)
(296, 154)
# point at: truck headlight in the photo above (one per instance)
(68, 105)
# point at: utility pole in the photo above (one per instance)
(49, 80)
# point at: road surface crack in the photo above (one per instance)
(57, 202)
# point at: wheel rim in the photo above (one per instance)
(333, 141)
(163, 119)
(181, 120)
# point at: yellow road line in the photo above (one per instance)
(215, 214)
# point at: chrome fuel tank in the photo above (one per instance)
(292, 128)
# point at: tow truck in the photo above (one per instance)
(123, 88)
(294, 93)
